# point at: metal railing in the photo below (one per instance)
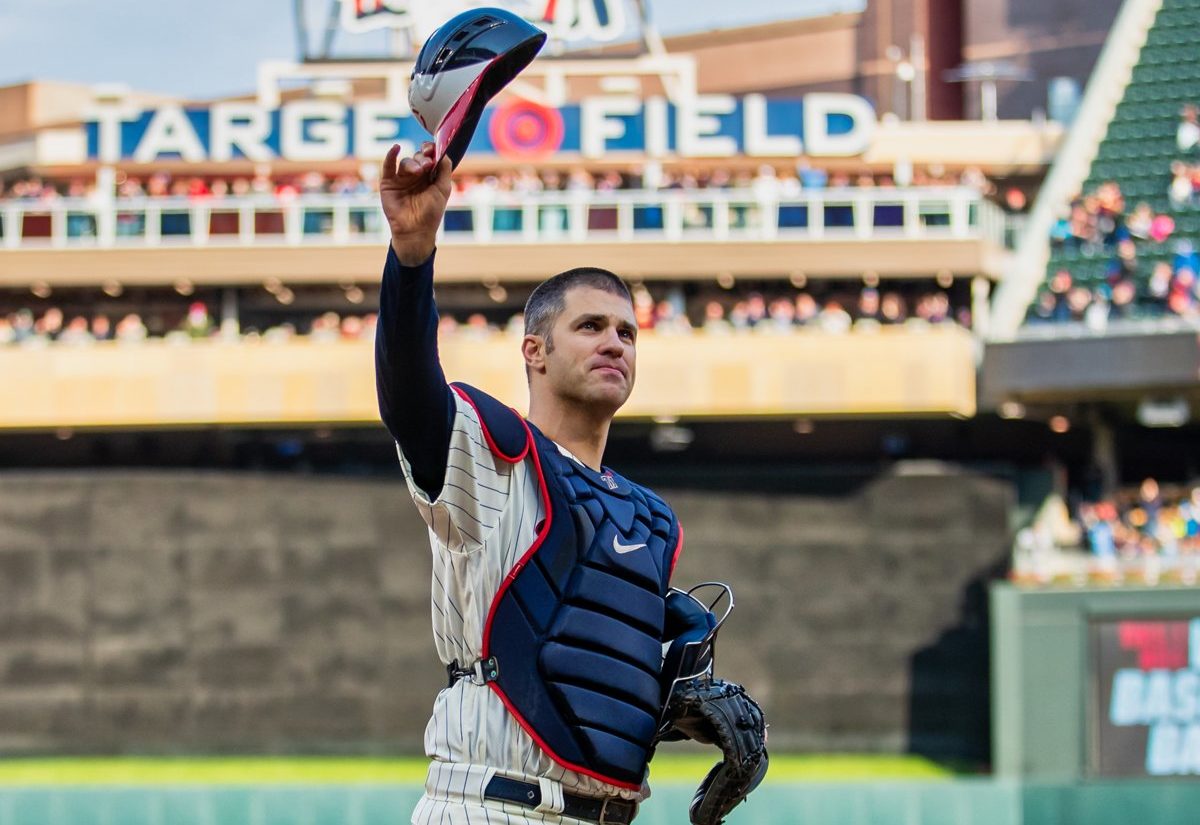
(503, 217)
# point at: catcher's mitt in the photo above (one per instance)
(716, 712)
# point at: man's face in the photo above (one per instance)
(591, 358)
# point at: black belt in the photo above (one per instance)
(607, 811)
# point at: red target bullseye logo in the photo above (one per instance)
(524, 129)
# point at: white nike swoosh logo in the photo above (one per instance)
(622, 549)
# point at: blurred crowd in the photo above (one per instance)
(1148, 521)
(1099, 225)
(52, 326)
(1149, 271)
(1184, 190)
(835, 311)
(767, 181)
(1142, 535)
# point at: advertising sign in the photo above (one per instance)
(1147, 713)
(818, 125)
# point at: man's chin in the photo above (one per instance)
(612, 395)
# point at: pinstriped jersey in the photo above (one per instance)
(480, 525)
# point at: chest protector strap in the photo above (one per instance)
(577, 627)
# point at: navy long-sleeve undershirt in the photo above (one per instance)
(416, 404)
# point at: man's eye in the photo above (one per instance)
(627, 333)
(588, 325)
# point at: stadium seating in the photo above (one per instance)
(1140, 145)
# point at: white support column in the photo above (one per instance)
(816, 216)
(673, 219)
(199, 219)
(12, 226)
(293, 227)
(153, 224)
(769, 216)
(625, 221)
(341, 222)
(864, 215)
(912, 216)
(246, 213)
(106, 203)
(58, 226)
(530, 215)
(960, 215)
(577, 220)
(481, 221)
(720, 219)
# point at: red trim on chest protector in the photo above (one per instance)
(504, 585)
(487, 435)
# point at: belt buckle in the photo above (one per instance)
(603, 820)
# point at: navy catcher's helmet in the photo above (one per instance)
(462, 66)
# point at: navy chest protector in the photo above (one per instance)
(577, 628)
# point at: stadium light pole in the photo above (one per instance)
(988, 73)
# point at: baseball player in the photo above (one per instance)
(550, 591)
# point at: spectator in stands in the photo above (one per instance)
(739, 317)
(23, 325)
(197, 323)
(1182, 297)
(1180, 191)
(325, 328)
(807, 310)
(76, 331)
(756, 309)
(1187, 136)
(477, 327)
(1158, 290)
(49, 327)
(670, 319)
(131, 329)
(1079, 298)
(1124, 296)
(781, 317)
(1044, 309)
(643, 307)
(714, 319)
(102, 328)
(834, 318)
(1140, 221)
(1060, 285)
(811, 178)
(8, 335)
(1096, 316)
(891, 309)
(868, 305)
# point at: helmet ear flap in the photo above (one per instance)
(690, 628)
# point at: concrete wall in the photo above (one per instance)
(222, 612)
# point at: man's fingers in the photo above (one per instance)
(389, 162)
(442, 178)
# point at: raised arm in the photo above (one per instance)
(415, 403)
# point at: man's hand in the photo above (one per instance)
(414, 200)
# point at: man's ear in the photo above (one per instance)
(533, 349)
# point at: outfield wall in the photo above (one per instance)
(184, 612)
(950, 802)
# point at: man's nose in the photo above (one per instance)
(611, 342)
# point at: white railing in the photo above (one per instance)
(623, 216)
